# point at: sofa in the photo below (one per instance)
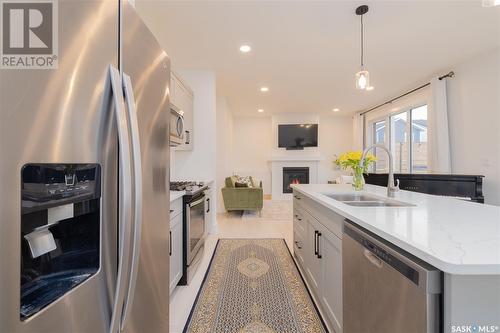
(239, 197)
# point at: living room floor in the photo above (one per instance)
(276, 222)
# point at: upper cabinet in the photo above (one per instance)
(182, 97)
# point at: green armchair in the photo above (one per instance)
(242, 198)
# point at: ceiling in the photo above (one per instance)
(307, 52)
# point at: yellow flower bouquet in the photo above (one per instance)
(350, 160)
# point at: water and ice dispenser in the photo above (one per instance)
(60, 231)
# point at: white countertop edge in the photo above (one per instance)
(174, 195)
(445, 266)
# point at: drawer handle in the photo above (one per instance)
(298, 246)
(315, 242)
(319, 246)
(170, 243)
(171, 211)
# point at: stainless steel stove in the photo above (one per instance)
(195, 208)
(191, 187)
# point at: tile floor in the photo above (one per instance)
(276, 222)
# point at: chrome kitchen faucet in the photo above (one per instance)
(391, 188)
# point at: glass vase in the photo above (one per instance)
(358, 181)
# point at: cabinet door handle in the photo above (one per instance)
(298, 246)
(315, 242)
(188, 137)
(208, 205)
(170, 243)
(319, 246)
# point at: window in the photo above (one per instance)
(407, 135)
(399, 142)
(379, 129)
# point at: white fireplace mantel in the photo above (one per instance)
(294, 158)
(280, 162)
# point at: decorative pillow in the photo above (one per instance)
(246, 180)
(255, 183)
(238, 184)
(231, 181)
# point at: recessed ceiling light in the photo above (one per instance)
(370, 88)
(260, 110)
(264, 89)
(336, 110)
(245, 48)
(491, 3)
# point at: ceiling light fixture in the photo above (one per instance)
(370, 88)
(336, 110)
(245, 48)
(491, 3)
(362, 77)
(260, 110)
(264, 89)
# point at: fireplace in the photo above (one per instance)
(294, 175)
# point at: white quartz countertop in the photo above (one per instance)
(456, 236)
(174, 195)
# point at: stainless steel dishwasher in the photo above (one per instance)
(385, 289)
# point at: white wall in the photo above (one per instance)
(474, 120)
(252, 145)
(254, 142)
(224, 163)
(336, 138)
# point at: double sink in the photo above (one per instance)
(366, 200)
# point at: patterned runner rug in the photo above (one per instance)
(253, 285)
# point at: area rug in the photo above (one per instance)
(272, 210)
(253, 285)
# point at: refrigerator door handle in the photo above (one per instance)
(137, 190)
(125, 196)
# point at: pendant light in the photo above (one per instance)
(362, 77)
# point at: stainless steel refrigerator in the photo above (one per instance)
(84, 203)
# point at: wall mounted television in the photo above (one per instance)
(297, 136)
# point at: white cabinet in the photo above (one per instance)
(330, 257)
(175, 249)
(182, 97)
(299, 232)
(312, 263)
(320, 257)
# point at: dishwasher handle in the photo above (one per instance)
(373, 258)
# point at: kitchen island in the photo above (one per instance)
(461, 239)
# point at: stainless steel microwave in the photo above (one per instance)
(176, 126)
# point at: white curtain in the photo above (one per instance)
(358, 127)
(438, 133)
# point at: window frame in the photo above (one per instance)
(387, 117)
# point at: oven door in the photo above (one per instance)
(195, 227)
